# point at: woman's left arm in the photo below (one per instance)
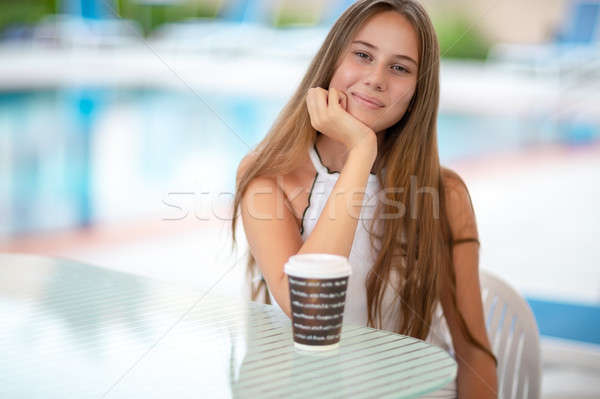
(476, 369)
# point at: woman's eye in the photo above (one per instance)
(362, 55)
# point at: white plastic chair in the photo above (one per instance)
(514, 336)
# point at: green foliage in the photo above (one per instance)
(300, 17)
(25, 12)
(150, 16)
(459, 38)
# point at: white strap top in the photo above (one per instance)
(362, 256)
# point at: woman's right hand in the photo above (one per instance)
(328, 115)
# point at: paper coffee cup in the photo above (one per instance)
(317, 285)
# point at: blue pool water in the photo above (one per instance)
(65, 151)
(574, 321)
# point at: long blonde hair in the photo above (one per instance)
(408, 151)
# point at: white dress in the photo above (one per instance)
(362, 257)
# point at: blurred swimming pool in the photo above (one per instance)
(76, 156)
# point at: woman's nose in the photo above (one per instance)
(376, 78)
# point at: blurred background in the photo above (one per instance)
(122, 123)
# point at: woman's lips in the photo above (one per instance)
(366, 102)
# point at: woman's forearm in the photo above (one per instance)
(335, 228)
(476, 376)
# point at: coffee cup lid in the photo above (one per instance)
(318, 266)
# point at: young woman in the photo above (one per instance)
(351, 167)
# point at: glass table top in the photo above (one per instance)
(76, 330)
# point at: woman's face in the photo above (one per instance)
(381, 64)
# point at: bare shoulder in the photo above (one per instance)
(452, 180)
(260, 188)
(271, 227)
(257, 182)
(455, 188)
(246, 162)
(459, 207)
